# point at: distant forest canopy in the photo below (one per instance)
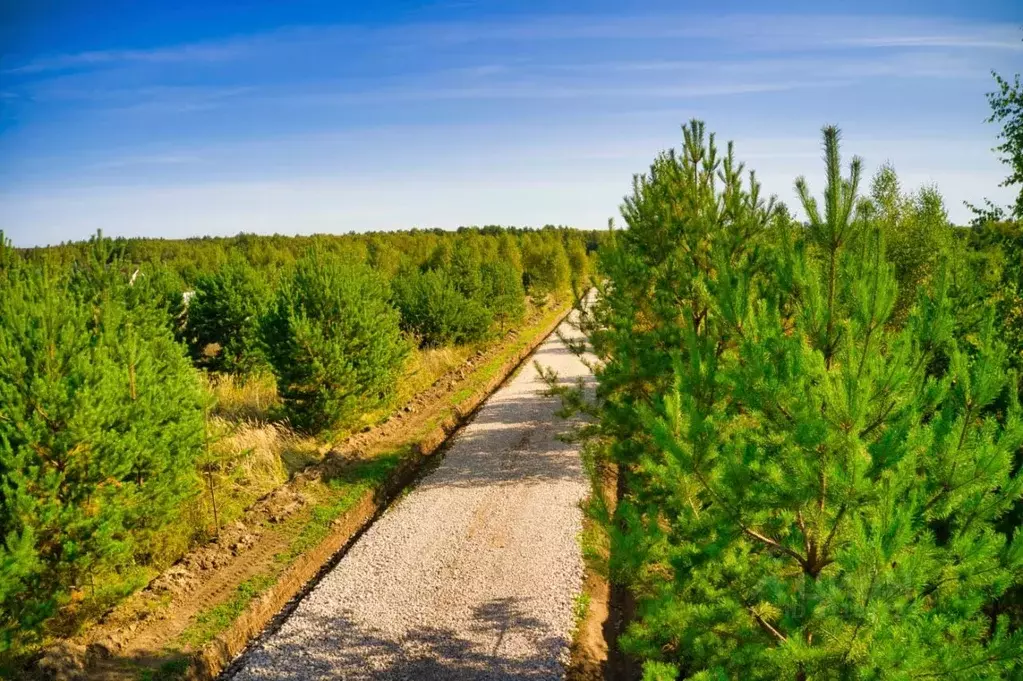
(190, 257)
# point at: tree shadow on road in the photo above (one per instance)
(502, 643)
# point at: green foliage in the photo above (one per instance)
(1007, 109)
(163, 287)
(546, 270)
(508, 251)
(464, 267)
(101, 420)
(996, 250)
(225, 312)
(434, 310)
(578, 262)
(502, 292)
(916, 231)
(8, 256)
(334, 342)
(383, 257)
(812, 488)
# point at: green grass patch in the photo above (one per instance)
(212, 621)
(580, 606)
(461, 395)
(171, 670)
(491, 369)
(345, 490)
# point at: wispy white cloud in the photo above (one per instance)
(152, 98)
(938, 64)
(537, 91)
(538, 119)
(191, 53)
(761, 32)
(994, 40)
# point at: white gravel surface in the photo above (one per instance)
(472, 575)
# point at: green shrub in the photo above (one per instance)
(578, 262)
(334, 342)
(225, 311)
(917, 234)
(502, 293)
(161, 286)
(508, 251)
(464, 267)
(435, 311)
(101, 421)
(546, 270)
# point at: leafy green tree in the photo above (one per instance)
(440, 258)
(435, 311)
(508, 251)
(916, 231)
(101, 420)
(995, 250)
(334, 342)
(546, 270)
(8, 256)
(502, 292)
(1007, 109)
(464, 267)
(578, 262)
(160, 285)
(808, 494)
(383, 257)
(225, 312)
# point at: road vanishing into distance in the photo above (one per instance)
(471, 575)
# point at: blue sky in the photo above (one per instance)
(191, 118)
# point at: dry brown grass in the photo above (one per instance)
(247, 461)
(426, 365)
(251, 398)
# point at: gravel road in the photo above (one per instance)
(472, 575)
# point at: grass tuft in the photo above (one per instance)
(250, 398)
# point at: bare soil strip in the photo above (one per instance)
(595, 631)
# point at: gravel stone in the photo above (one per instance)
(472, 575)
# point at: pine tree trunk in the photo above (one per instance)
(213, 499)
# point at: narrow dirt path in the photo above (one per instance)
(473, 575)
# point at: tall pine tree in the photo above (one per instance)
(334, 342)
(226, 311)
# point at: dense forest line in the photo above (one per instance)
(815, 423)
(125, 364)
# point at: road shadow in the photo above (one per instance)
(338, 647)
(513, 440)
